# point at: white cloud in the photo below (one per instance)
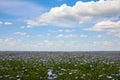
(1, 22)
(22, 27)
(22, 34)
(103, 44)
(48, 34)
(7, 42)
(27, 35)
(69, 30)
(29, 22)
(66, 35)
(79, 13)
(52, 45)
(83, 36)
(5, 23)
(62, 30)
(76, 45)
(111, 27)
(99, 36)
(8, 23)
(48, 42)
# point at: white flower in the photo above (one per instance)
(49, 72)
(100, 75)
(50, 78)
(82, 77)
(60, 73)
(17, 76)
(76, 77)
(83, 74)
(70, 73)
(119, 71)
(63, 69)
(6, 75)
(1, 76)
(109, 77)
(55, 76)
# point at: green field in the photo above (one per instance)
(63, 67)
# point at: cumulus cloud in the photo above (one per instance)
(8, 23)
(77, 45)
(111, 27)
(99, 36)
(22, 27)
(7, 42)
(62, 30)
(81, 12)
(52, 45)
(83, 36)
(104, 44)
(1, 22)
(5, 23)
(22, 34)
(66, 35)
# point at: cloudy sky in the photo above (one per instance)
(59, 25)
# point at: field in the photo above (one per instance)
(60, 65)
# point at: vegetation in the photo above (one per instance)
(60, 68)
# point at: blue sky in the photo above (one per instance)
(59, 25)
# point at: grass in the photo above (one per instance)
(60, 68)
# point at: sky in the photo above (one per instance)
(59, 25)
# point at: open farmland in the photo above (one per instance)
(60, 65)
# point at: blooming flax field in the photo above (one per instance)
(59, 65)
